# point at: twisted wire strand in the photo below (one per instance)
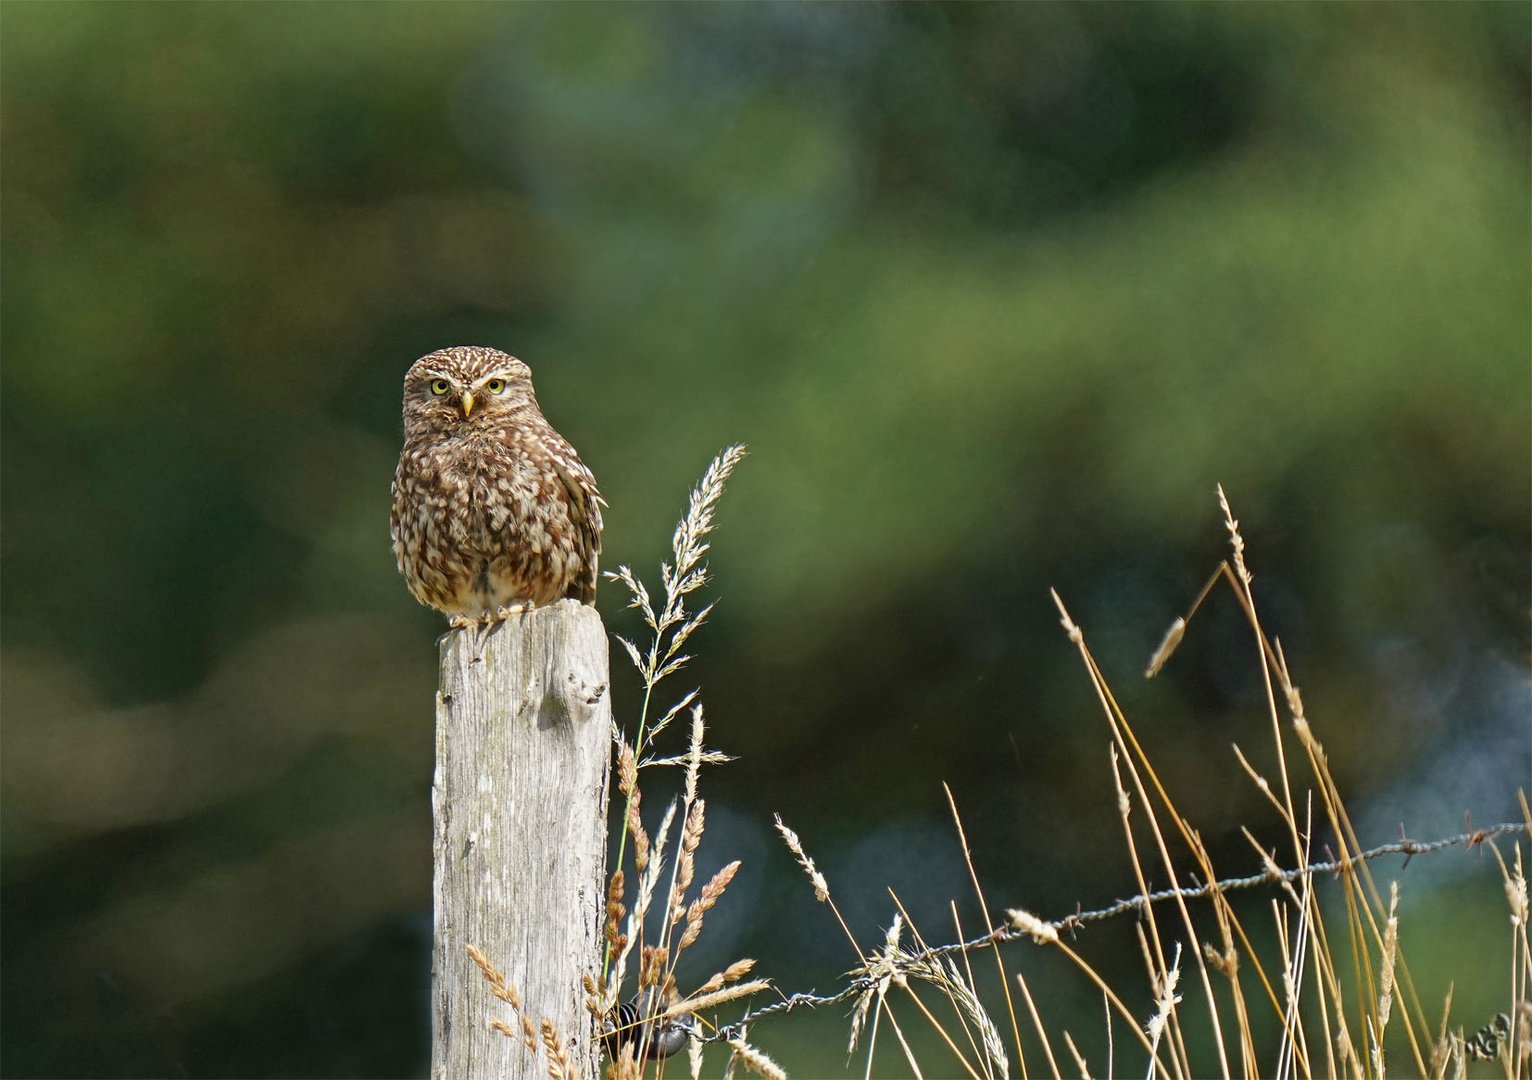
(863, 982)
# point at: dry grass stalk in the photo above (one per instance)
(1226, 963)
(558, 1057)
(973, 877)
(735, 971)
(508, 994)
(595, 1000)
(1139, 768)
(711, 892)
(694, 758)
(632, 933)
(1390, 955)
(651, 965)
(497, 984)
(1074, 1052)
(994, 1048)
(894, 966)
(938, 971)
(878, 970)
(650, 876)
(612, 932)
(821, 886)
(937, 975)
(1167, 646)
(1441, 1051)
(686, 866)
(1515, 891)
(1236, 541)
(657, 728)
(627, 784)
(707, 757)
(687, 543)
(1154, 957)
(754, 1060)
(708, 999)
(822, 894)
(945, 975)
(1166, 1005)
(673, 624)
(1037, 1026)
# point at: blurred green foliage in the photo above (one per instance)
(996, 294)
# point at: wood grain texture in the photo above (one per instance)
(523, 745)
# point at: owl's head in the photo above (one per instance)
(465, 387)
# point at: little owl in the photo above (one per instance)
(494, 513)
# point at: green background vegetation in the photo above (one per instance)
(996, 294)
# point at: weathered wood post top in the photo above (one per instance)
(519, 799)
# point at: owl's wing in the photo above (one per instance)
(398, 514)
(585, 504)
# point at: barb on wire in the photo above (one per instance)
(1008, 932)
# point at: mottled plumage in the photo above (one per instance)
(493, 511)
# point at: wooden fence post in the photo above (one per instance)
(519, 798)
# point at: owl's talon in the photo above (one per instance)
(505, 611)
(462, 622)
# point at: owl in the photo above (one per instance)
(493, 512)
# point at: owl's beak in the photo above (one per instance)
(467, 402)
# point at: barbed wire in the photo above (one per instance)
(862, 982)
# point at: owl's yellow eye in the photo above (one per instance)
(495, 386)
(438, 387)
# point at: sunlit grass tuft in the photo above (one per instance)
(1335, 988)
(657, 1020)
